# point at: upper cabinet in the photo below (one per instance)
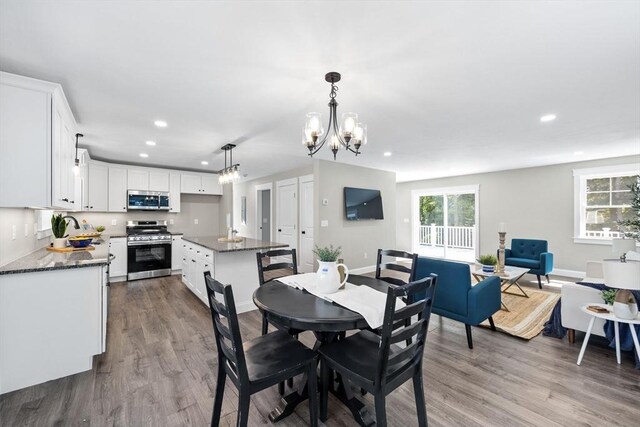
(195, 183)
(158, 181)
(37, 144)
(138, 179)
(174, 192)
(98, 186)
(117, 189)
(148, 180)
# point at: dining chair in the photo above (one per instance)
(254, 365)
(274, 271)
(376, 363)
(410, 270)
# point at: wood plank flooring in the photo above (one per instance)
(160, 365)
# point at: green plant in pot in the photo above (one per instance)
(488, 263)
(328, 278)
(609, 296)
(59, 229)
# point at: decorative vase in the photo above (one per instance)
(488, 268)
(60, 243)
(328, 277)
(625, 306)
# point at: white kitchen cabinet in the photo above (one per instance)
(117, 189)
(138, 179)
(176, 252)
(98, 187)
(158, 180)
(118, 265)
(193, 183)
(37, 132)
(174, 192)
(195, 261)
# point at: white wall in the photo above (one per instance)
(356, 238)
(533, 202)
(10, 249)
(206, 209)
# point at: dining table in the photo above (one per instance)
(300, 310)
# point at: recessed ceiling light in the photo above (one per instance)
(578, 153)
(204, 162)
(548, 118)
(387, 153)
(160, 123)
(145, 155)
(151, 143)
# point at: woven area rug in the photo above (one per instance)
(527, 316)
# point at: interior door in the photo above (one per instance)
(306, 225)
(265, 215)
(287, 213)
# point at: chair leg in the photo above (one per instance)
(265, 325)
(290, 380)
(381, 410)
(281, 388)
(217, 403)
(571, 336)
(324, 390)
(547, 276)
(243, 408)
(493, 325)
(469, 339)
(418, 390)
(312, 387)
(539, 282)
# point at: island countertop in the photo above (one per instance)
(211, 242)
(44, 260)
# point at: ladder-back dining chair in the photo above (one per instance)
(375, 363)
(254, 365)
(409, 270)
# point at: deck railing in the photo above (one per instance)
(605, 233)
(456, 237)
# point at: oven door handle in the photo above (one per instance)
(148, 243)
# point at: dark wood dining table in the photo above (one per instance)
(296, 309)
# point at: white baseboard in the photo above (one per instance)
(568, 273)
(243, 307)
(363, 270)
(117, 279)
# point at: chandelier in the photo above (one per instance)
(229, 173)
(350, 135)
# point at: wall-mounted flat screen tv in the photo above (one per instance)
(361, 203)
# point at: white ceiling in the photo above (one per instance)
(449, 87)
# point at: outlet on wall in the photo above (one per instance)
(26, 230)
(13, 232)
(195, 221)
(324, 223)
(114, 222)
(171, 221)
(365, 255)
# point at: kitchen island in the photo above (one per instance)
(228, 262)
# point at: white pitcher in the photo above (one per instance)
(328, 277)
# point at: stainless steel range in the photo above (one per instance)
(148, 249)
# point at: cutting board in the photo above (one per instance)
(71, 249)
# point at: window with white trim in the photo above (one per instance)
(602, 199)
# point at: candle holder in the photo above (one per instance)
(502, 235)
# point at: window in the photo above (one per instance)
(602, 199)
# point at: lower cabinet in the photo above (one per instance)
(176, 252)
(118, 255)
(196, 260)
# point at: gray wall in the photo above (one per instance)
(356, 238)
(226, 208)
(533, 202)
(13, 249)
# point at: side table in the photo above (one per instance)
(615, 320)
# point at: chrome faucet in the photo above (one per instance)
(75, 221)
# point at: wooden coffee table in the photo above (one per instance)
(509, 277)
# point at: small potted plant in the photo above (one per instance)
(609, 296)
(488, 263)
(59, 228)
(328, 277)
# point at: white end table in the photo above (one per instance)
(615, 320)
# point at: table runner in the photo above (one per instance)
(366, 301)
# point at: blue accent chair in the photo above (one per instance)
(531, 254)
(455, 298)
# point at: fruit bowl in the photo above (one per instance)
(80, 242)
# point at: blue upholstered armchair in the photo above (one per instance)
(455, 298)
(531, 254)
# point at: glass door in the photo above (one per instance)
(445, 223)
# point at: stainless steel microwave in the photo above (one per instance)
(147, 200)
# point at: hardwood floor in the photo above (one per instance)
(159, 370)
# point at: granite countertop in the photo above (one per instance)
(211, 242)
(44, 260)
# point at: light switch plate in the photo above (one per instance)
(406, 220)
(13, 232)
(171, 221)
(195, 221)
(114, 222)
(324, 223)
(26, 230)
